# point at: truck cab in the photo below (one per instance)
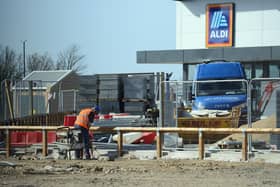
(219, 86)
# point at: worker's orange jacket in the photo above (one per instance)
(82, 119)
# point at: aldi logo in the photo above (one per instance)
(218, 20)
(219, 25)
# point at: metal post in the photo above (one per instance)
(75, 95)
(162, 97)
(24, 42)
(249, 114)
(30, 84)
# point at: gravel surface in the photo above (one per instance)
(135, 172)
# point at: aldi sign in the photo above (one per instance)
(219, 25)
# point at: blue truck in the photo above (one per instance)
(217, 86)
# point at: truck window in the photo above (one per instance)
(220, 88)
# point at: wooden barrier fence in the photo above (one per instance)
(160, 131)
(52, 119)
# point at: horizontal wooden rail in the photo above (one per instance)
(160, 131)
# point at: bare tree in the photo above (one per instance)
(39, 62)
(70, 59)
(9, 64)
(10, 68)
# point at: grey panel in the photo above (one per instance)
(275, 53)
(135, 83)
(47, 75)
(244, 54)
(83, 91)
(109, 94)
(247, 54)
(138, 87)
(88, 80)
(68, 101)
(87, 98)
(141, 57)
(110, 106)
(85, 87)
(164, 57)
(86, 105)
(107, 76)
(135, 107)
(202, 55)
(109, 84)
(135, 94)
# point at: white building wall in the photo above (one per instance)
(257, 23)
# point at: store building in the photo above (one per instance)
(237, 30)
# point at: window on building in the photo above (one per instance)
(191, 71)
(274, 70)
(258, 71)
(248, 70)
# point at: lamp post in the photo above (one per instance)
(24, 43)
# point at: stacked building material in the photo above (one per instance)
(88, 92)
(138, 93)
(110, 93)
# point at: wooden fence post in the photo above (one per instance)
(244, 145)
(8, 143)
(159, 144)
(120, 143)
(201, 144)
(45, 143)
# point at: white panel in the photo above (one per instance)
(179, 26)
(271, 37)
(271, 19)
(249, 20)
(193, 41)
(192, 29)
(256, 23)
(248, 39)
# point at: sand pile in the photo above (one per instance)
(269, 122)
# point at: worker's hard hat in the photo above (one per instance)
(96, 109)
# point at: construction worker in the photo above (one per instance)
(83, 122)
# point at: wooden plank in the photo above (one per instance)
(154, 129)
(8, 96)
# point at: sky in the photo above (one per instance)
(108, 32)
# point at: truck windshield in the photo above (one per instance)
(220, 88)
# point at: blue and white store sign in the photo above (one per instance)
(219, 25)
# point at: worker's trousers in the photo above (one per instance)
(85, 137)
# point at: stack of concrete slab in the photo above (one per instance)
(110, 93)
(88, 92)
(135, 88)
(130, 93)
(138, 93)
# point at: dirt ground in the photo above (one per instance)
(125, 172)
